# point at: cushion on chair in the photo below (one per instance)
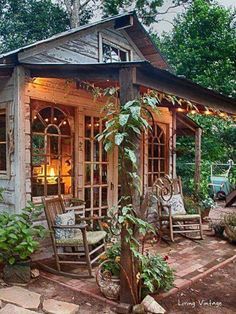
(93, 237)
(186, 217)
(176, 204)
(67, 219)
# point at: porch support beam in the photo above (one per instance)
(185, 89)
(128, 91)
(174, 143)
(197, 176)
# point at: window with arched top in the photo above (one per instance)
(52, 158)
(156, 153)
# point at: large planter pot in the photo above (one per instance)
(109, 285)
(231, 232)
(18, 273)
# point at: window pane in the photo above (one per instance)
(104, 196)
(96, 179)
(96, 197)
(87, 194)
(123, 55)
(104, 173)
(38, 125)
(96, 151)
(2, 127)
(87, 150)
(38, 144)
(87, 174)
(114, 54)
(88, 126)
(66, 146)
(106, 52)
(58, 116)
(65, 128)
(96, 126)
(3, 160)
(46, 114)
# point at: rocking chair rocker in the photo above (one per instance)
(82, 243)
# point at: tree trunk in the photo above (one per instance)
(129, 285)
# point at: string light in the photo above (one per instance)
(207, 112)
(46, 120)
(180, 110)
(193, 111)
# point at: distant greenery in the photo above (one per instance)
(202, 46)
(26, 21)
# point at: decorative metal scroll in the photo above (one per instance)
(163, 188)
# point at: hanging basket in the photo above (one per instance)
(109, 285)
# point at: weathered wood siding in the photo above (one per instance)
(8, 182)
(83, 47)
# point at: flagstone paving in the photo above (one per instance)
(18, 300)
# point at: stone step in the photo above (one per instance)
(21, 297)
(13, 309)
(52, 306)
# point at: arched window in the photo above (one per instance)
(156, 154)
(52, 158)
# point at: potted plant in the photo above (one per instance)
(108, 273)
(154, 275)
(230, 226)
(18, 241)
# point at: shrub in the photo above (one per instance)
(18, 234)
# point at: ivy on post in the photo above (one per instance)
(129, 92)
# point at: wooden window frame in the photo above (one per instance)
(113, 43)
(4, 107)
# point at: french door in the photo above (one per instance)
(97, 168)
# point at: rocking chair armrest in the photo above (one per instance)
(93, 218)
(78, 226)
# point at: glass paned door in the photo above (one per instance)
(96, 167)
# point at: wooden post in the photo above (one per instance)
(197, 176)
(173, 143)
(19, 138)
(128, 91)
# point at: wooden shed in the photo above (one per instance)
(48, 123)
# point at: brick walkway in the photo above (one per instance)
(190, 259)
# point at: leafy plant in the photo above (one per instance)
(112, 257)
(155, 274)
(19, 235)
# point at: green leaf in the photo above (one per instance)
(123, 119)
(11, 260)
(131, 155)
(108, 146)
(119, 137)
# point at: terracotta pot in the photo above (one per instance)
(19, 273)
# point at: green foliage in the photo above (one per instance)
(202, 44)
(155, 274)
(112, 257)
(18, 234)
(25, 21)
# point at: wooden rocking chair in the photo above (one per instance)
(171, 221)
(83, 244)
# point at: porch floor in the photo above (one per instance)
(190, 259)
